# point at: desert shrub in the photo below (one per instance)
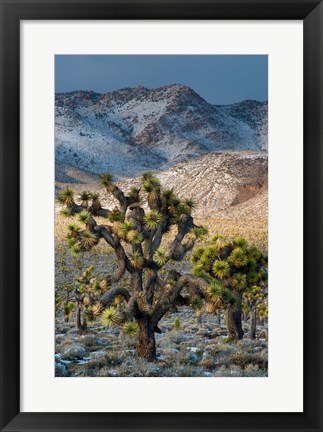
(243, 360)
(177, 324)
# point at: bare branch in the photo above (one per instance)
(109, 296)
(170, 296)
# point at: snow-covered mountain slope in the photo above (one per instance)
(135, 129)
(223, 184)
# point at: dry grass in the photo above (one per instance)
(254, 230)
(62, 222)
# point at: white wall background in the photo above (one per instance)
(282, 41)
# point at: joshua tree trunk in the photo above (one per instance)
(253, 323)
(234, 325)
(219, 317)
(233, 320)
(146, 347)
(79, 324)
(78, 319)
(198, 314)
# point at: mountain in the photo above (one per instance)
(223, 184)
(135, 129)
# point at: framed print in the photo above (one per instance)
(161, 215)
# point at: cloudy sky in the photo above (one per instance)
(219, 79)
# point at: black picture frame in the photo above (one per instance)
(12, 12)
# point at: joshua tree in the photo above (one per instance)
(136, 230)
(197, 305)
(68, 310)
(253, 302)
(87, 294)
(232, 266)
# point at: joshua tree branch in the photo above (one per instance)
(123, 200)
(158, 235)
(169, 297)
(181, 250)
(109, 296)
(102, 212)
(149, 286)
(75, 208)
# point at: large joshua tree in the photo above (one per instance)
(136, 230)
(235, 267)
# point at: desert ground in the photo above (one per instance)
(187, 349)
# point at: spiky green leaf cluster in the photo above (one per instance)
(215, 290)
(130, 329)
(95, 287)
(135, 194)
(84, 217)
(85, 196)
(198, 270)
(66, 197)
(196, 255)
(116, 215)
(167, 196)
(94, 196)
(75, 249)
(147, 175)
(106, 179)
(110, 317)
(197, 303)
(199, 232)
(221, 269)
(189, 203)
(87, 240)
(73, 230)
(150, 182)
(238, 257)
(125, 227)
(239, 281)
(137, 260)
(135, 237)
(67, 212)
(207, 257)
(161, 256)
(152, 219)
(241, 242)
(228, 297)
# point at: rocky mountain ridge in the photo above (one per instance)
(135, 129)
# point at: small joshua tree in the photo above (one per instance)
(135, 232)
(87, 293)
(197, 305)
(231, 267)
(254, 299)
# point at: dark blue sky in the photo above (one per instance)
(219, 79)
